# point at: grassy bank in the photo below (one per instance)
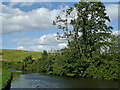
(5, 79)
(0, 79)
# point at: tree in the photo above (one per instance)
(42, 61)
(90, 20)
(114, 49)
(44, 53)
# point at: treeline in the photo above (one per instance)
(67, 63)
(101, 66)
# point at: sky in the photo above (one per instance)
(28, 25)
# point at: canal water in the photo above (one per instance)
(42, 80)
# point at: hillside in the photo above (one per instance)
(18, 55)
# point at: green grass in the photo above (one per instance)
(13, 56)
(18, 55)
(0, 79)
(4, 78)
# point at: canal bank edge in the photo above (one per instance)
(8, 83)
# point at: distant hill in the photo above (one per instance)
(18, 55)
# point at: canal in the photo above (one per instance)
(42, 80)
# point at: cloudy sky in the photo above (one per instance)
(28, 25)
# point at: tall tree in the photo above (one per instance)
(90, 20)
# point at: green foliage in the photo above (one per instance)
(67, 63)
(42, 62)
(28, 64)
(50, 62)
(90, 21)
(94, 54)
(45, 63)
(58, 65)
(103, 67)
(6, 77)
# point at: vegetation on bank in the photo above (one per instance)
(93, 54)
(100, 67)
(0, 79)
(5, 79)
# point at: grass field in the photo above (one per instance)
(18, 55)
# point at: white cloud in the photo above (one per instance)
(117, 32)
(62, 45)
(45, 42)
(21, 48)
(1, 43)
(112, 11)
(49, 39)
(21, 3)
(0, 18)
(15, 20)
(40, 48)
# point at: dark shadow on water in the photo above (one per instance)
(42, 80)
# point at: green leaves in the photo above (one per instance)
(93, 54)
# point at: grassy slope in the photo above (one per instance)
(6, 77)
(18, 55)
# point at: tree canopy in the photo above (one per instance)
(89, 19)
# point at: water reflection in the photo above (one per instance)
(42, 80)
(16, 71)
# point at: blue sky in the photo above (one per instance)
(28, 26)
